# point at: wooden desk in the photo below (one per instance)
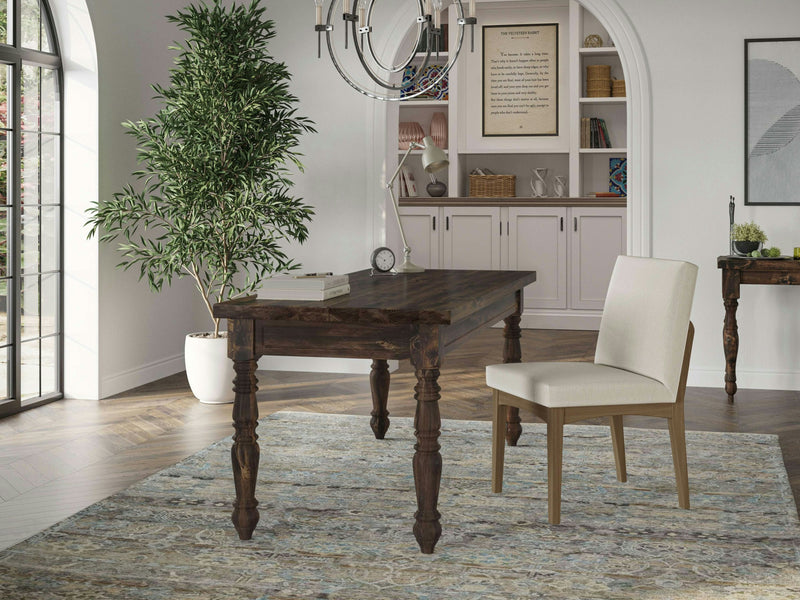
(737, 271)
(419, 316)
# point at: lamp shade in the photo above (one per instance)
(433, 158)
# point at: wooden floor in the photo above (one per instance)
(59, 458)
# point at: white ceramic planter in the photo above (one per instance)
(208, 368)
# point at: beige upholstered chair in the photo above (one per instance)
(640, 368)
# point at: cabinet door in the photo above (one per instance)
(537, 241)
(471, 237)
(597, 238)
(420, 224)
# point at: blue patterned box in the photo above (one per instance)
(618, 176)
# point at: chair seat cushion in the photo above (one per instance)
(564, 384)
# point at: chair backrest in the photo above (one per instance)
(646, 318)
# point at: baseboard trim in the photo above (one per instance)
(131, 378)
(561, 319)
(319, 364)
(757, 380)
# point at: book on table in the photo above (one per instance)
(307, 281)
(303, 294)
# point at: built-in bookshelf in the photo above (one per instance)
(586, 167)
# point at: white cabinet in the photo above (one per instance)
(420, 228)
(537, 241)
(571, 248)
(471, 237)
(597, 238)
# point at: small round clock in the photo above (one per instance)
(382, 259)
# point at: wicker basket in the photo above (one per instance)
(492, 186)
(598, 81)
(598, 72)
(618, 88)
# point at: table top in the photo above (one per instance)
(436, 297)
(743, 263)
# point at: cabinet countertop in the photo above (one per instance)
(466, 201)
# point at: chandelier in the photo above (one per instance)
(374, 75)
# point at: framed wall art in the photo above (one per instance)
(520, 80)
(772, 121)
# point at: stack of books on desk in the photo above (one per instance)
(309, 286)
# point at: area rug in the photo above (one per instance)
(337, 510)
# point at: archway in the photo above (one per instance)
(639, 128)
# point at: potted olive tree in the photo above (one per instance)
(212, 200)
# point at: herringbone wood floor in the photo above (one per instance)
(59, 458)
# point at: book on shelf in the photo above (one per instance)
(303, 294)
(305, 281)
(585, 133)
(606, 195)
(594, 133)
(411, 184)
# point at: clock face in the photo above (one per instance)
(382, 259)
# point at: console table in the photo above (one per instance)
(419, 316)
(737, 271)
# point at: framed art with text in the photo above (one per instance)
(520, 80)
(772, 121)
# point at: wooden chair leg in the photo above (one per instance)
(555, 448)
(618, 441)
(498, 442)
(677, 437)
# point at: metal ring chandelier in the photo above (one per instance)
(390, 85)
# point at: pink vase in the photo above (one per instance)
(439, 130)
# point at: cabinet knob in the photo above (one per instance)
(575, 223)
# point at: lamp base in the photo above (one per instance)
(408, 267)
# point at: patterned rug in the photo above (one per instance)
(336, 518)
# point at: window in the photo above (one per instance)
(30, 207)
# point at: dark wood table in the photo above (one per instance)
(419, 316)
(737, 271)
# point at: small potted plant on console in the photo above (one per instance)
(747, 237)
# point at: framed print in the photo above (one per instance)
(772, 121)
(520, 80)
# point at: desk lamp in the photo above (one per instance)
(433, 159)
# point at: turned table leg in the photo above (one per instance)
(730, 333)
(512, 353)
(427, 426)
(379, 385)
(245, 450)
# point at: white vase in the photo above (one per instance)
(539, 182)
(208, 368)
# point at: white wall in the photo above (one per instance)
(343, 163)
(695, 55)
(695, 51)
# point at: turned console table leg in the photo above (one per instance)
(730, 333)
(512, 353)
(427, 426)
(379, 385)
(730, 340)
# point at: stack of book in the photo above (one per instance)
(310, 286)
(408, 186)
(594, 133)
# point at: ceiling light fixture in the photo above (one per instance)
(382, 79)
